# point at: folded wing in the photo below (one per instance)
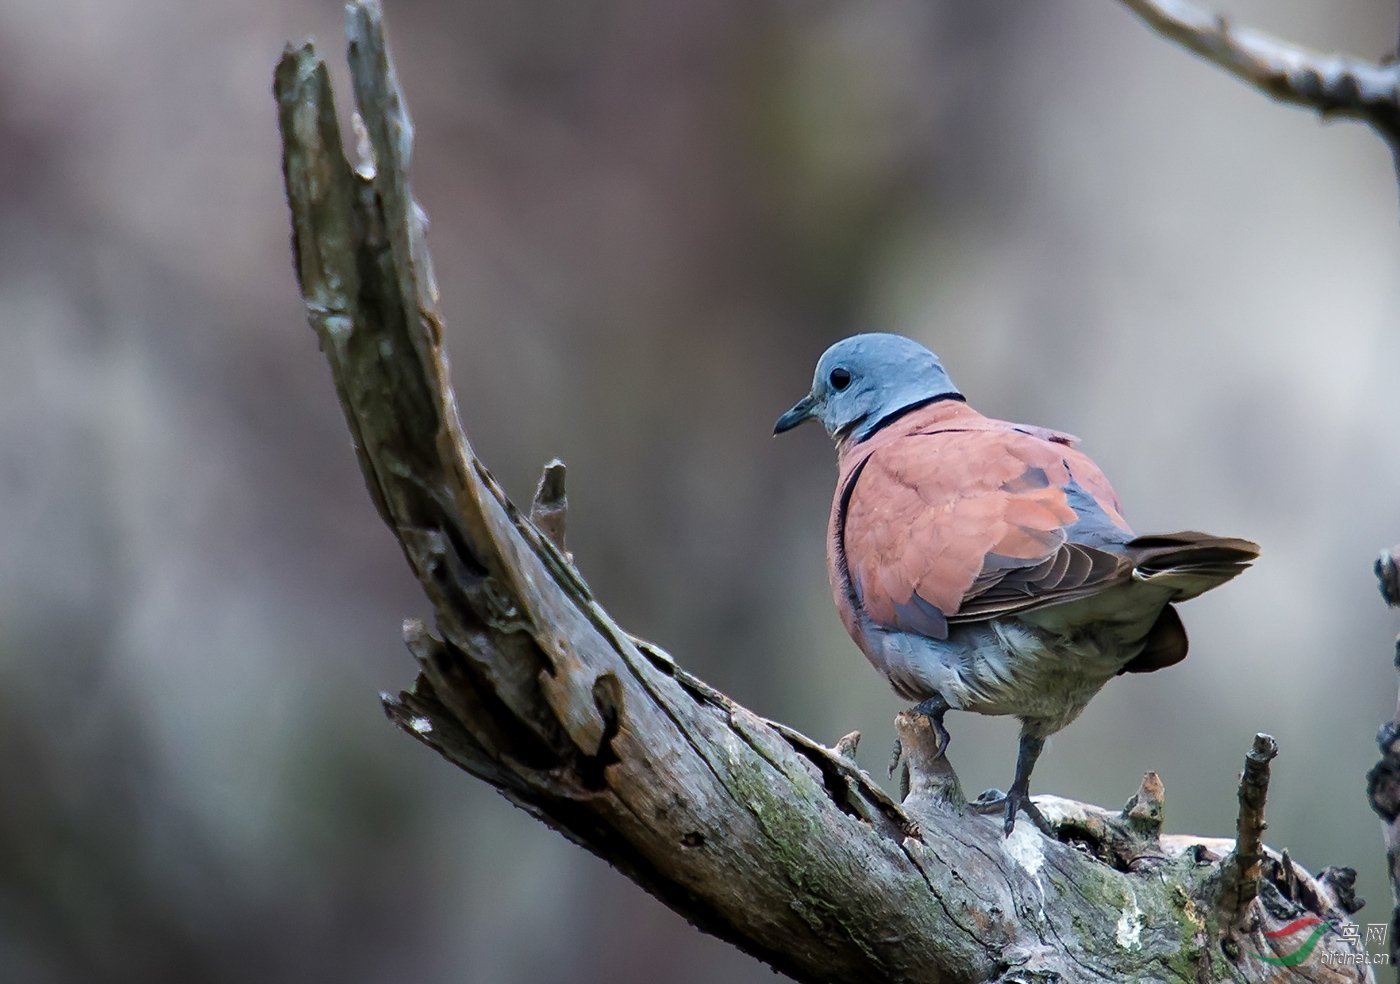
(967, 525)
(972, 524)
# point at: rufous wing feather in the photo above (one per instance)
(972, 523)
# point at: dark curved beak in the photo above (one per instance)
(805, 409)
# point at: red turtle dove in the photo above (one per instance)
(986, 566)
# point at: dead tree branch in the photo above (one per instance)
(752, 831)
(1334, 85)
(1243, 877)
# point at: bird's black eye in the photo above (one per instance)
(840, 379)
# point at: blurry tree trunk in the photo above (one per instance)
(753, 832)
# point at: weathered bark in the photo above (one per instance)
(753, 832)
(1246, 870)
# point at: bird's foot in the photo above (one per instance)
(1009, 804)
(1022, 801)
(1018, 798)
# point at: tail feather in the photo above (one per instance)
(1189, 562)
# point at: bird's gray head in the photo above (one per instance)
(863, 380)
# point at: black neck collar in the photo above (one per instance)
(890, 418)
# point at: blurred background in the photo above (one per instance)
(649, 218)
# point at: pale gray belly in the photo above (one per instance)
(1043, 673)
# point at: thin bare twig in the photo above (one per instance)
(1245, 869)
(1335, 85)
(550, 509)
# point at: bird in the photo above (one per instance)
(986, 566)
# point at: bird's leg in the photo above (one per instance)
(1019, 796)
(1018, 799)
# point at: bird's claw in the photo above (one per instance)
(1022, 802)
(1008, 805)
